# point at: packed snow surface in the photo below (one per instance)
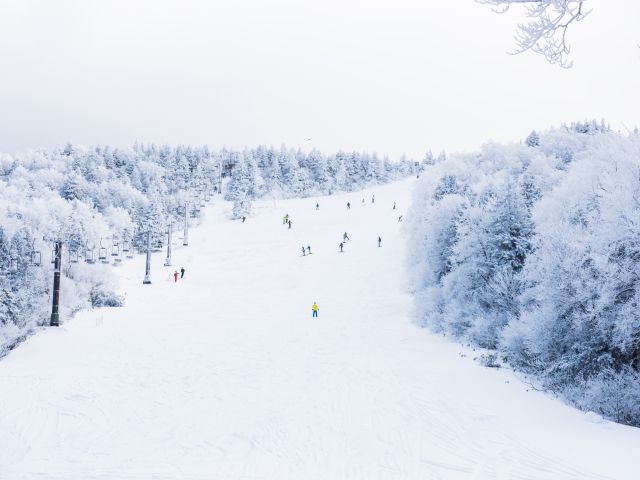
(226, 375)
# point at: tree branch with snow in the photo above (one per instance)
(545, 32)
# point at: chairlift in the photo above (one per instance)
(115, 250)
(102, 254)
(13, 260)
(36, 258)
(53, 256)
(73, 256)
(126, 246)
(90, 256)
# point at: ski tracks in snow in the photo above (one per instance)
(225, 374)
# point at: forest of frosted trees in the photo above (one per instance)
(102, 201)
(533, 250)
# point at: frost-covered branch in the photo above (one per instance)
(545, 32)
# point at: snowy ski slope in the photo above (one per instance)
(226, 376)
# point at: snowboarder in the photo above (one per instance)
(345, 237)
(348, 206)
(308, 249)
(182, 272)
(314, 309)
(379, 241)
(394, 205)
(317, 206)
(303, 250)
(175, 277)
(341, 245)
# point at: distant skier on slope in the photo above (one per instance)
(317, 206)
(345, 237)
(243, 218)
(394, 205)
(363, 202)
(314, 310)
(182, 272)
(348, 206)
(308, 249)
(379, 241)
(373, 199)
(341, 245)
(175, 277)
(289, 222)
(303, 251)
(400, 218)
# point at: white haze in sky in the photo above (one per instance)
(392, 76)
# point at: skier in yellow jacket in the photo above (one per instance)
(315, 309)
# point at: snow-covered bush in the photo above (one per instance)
(534, 250)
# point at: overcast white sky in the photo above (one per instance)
(390, 76)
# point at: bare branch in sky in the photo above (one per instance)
(545, 32)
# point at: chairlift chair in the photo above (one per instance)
(90, 256)
(102, 255)
(36, 258)
(115, 250)
(73, 256)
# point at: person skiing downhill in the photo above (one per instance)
(314, 310)
(303, 251)
(345, 237)
(348, 206)
(243, 218)
(182, 272)
(379, 241)
(394, 205)
(175, 277)
(289, 222)
(341, 245)
(317, 206)
(373, 199)
(309, 249)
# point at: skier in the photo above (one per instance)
(315, 309)
(363, 202)
(182, 272)
(303, 254)
(243, 218)
(345, 237)
(394, 205)
(348, 206)
(317, 206)
(289, 222)
(175, 277)
(341, 245)
(309, 249)
(400, 218)
(379, 241)
(373, 199)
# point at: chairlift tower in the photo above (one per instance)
(147, 275)
(167, 262)
(55, 315)
(185, 240)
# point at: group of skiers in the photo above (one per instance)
(286, 220)
(176, 275)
